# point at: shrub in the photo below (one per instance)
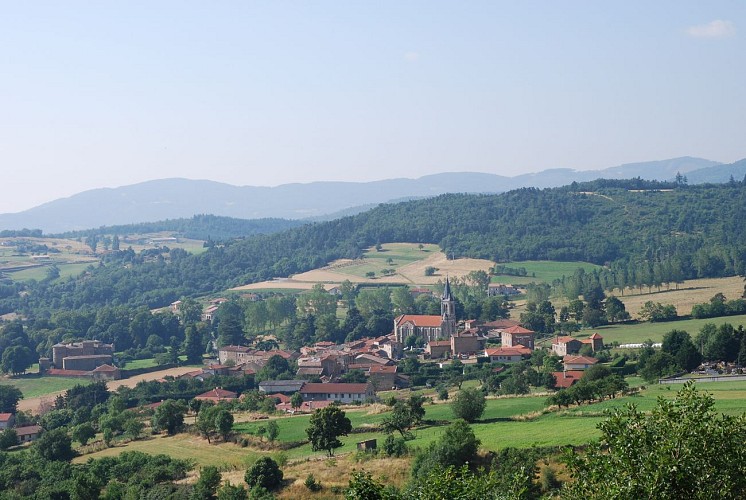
(312, 484)
(265, 473)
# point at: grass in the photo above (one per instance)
(542, 271)
(640, 332)
(497, 429)
(400, 253)
(33, 386)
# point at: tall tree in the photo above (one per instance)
(325, 427)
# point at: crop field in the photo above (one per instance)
(689, 293)
(542, 271)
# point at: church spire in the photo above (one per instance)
(447, 290)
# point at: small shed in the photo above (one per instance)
(367, 445)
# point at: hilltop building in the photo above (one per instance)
(86, 355)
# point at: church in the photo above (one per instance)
(429, 327)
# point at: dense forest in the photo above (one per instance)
(693, 231)
(199, 227)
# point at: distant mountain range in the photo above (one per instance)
(180, 198)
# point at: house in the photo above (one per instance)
(305, 407)
(282, 386)
(217, 395)
(106, 372)
(499, 290)
(596, 342)
(495, 328)
(341, 392)
(438, 349)
(209, 313)
(507, 354)
(565, 379)
(7, 420)
(467, 342)
(176, 306)
(28, 433)
(382, 377)
(578, 362)
(562, 346)
(416, 292)
(517, 335)
(429, 327)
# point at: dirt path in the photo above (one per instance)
(34, 405)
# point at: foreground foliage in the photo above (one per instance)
(682, 449)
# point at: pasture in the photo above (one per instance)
(641, 332)
(34, 386)
(542, 271)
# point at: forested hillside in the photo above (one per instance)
(692, 231)
(199, 227)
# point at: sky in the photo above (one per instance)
(105, 94)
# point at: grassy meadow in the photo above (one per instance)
(542, 271)
(399, 253)
(641, 332)
(507, 422)
(33, 386)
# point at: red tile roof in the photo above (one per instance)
(439, 343)
(582, 360)
(420, 320)
(564, 340)
(234, 348)
(565, 379)
(508, 351)
(217, 394)
(596, 336)
(5, 417)
(106, 368)
(517, 329)
(334, 388)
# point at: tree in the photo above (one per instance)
(468, 404)
(9, 397)
(54, 445)
(224, 423)
(207, 484)
(230, 492)
(682, 449)
(265, 473)
(169, 416)
(8, 438)
(325, 426)
(296, 400)
(615, 310)
(194, 345)
(16, 359)
(456, 447)
(273, 430)
(230, 324)
(83, 433)
(404, 416)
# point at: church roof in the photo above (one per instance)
(420, 320)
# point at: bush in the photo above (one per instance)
(312, 484)
(265, 473)
(395, 447)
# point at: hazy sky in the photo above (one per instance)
(103, 94)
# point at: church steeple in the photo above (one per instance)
(447, 311)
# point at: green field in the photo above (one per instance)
(503, 424)
(39, 273)
(542, 271)
(33, 386)
(641, 332)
